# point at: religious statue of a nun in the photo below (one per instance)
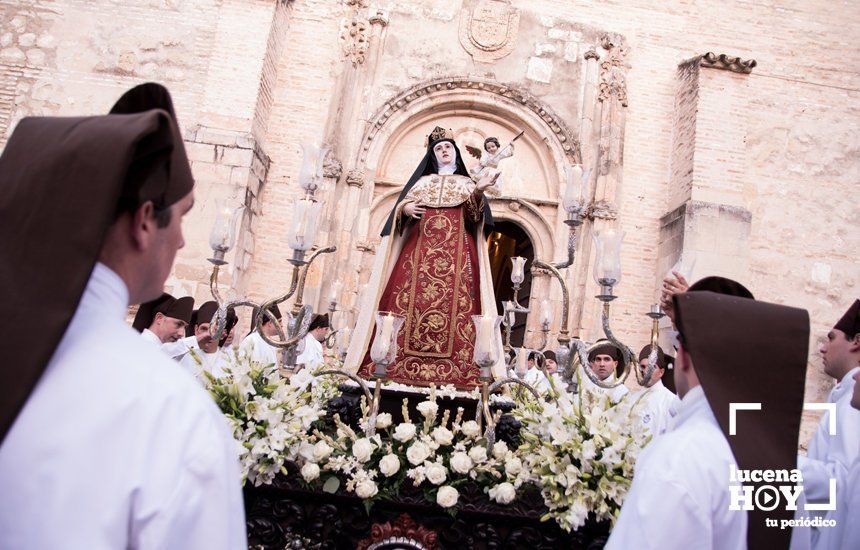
(433, 269)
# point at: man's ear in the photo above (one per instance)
(143, 225)
(855, 343)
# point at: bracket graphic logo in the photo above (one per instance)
(776, 486)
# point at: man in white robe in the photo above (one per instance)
(655, 404)
(846, 532)
(104, 442)
(312, 356)
(681, 496)
(534, 376)
(163, 320)
(253, 344)
(205, 354)
(832, 456)
(603, 361)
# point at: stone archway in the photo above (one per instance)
(470, 94)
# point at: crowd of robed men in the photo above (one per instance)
(104, 443)
(184, 334)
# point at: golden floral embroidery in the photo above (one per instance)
(436, 289)
(442, 191)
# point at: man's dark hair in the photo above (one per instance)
(162, 214)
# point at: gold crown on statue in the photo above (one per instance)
(439, 133)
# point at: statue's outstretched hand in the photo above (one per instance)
(487, 181)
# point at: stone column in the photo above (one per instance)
(361, 39)
(603, 154)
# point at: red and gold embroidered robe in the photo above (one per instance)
(435, 285)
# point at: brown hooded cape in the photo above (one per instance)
(63, 181)
(746, 351)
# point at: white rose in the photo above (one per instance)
(306, 451)
(428, 408)
(365, 489)
(404, 432)
(503, 493)
(310, 471)
(362, 449)
(417, 453)
(478, 454)
(322, 450)
(513, 466)
(500, 450)
(447, 496)
(436, 473)
(443, 435)
(461, 463)
(470, 428)
(383, 420)
(389, 465)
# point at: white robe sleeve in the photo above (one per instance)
(643, 522)
(196, 506)
(830, 456)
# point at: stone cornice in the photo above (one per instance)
(723, 62)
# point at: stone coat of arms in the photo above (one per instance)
(489, 30)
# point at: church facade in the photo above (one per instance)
(724, 131)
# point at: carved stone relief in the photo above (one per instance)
(555, 124)
(332, 167)
(489, 30)
(354, 38)
(613, 70)
(355, 178)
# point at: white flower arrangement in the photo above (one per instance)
(581, 450)
(430, 453)
(269, 416)
(580, 455)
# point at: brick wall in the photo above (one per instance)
(781, 145)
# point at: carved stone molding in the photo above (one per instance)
(478, 85)
(332, 167)
(489, 30)
(354, 38)
(355, 178)
(590, 54)
(727, 63)
(379, 18)
(603, 210)
(613, 70)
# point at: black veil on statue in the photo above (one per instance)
(426, 167)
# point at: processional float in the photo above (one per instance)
(571, 353)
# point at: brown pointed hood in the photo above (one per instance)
(167, 305)
(850, 322)
(63, 181)
(746, 351)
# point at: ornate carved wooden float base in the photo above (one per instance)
(287, 515)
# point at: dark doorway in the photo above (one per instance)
(507, 240)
